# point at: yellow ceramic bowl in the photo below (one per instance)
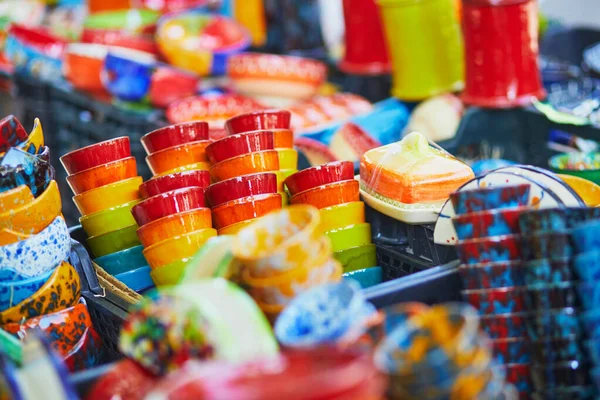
(350, 236)
(34, 216)
(170, 274)
(176, 248)
(15, 198)
(112, 242)
(285, 200)
(62, 290)
(109, 220)
(111, 195)
(342, 215)
(235, 228)
(282, 175)
(202, 166)
(288, 159)
(8, 237)
(587, 190)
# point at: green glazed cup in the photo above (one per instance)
(114, 241)
(350, 236)
(169, 274)
(109, 220)
(356, 258)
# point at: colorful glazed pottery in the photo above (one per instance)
(259, 120)
(493, 275)
(137, 279)
(87, 353)
(169, 84)
(489, 249)
(83, 65)
(214, 110)
(587, 190)
(585, 236)
(288, 159)
(35, 142)
(12, 293)
(96, 154)
(213, 260)
(177, 156)
(239, 144)
(357, 258)
(168, 275)
(122, 261)
(350, 236)
(468, 201)
(235, 228)
(488, 223)
(18, 167)
(496, 301)
(114, 241)
(174, 225)
(15, 198)
(245, 208)
(169, 182)
(365, 277)
(329, 195)
(109, 220)
(127, 73)
(341, 215)
(262, 161)
(199, 166)
(240, 187)
(319, 175)
(174, 135)
(582, 165)
(102, 175)
(168, 203)
(108, 196)
(177, 247)
(12, 133)
(555, 219)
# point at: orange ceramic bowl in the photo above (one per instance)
(107, 196)
(102, 175)
(83, 64)
(15, 198)
(177, 248)
(32, 217)
(245, 208)
(329, 195)
(177, 156)
(199, 166)
(261, 161)
(174, 225)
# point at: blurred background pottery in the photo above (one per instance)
(179, 180)
(114, 241)
(83, 65)
(174, 135)
(176, 248)
(587, 190)
(96, 154)
(108, 196)
(169, 84)
(101, 175)
(582, 165)
(168, 203)
(127, 74)
(122, 261)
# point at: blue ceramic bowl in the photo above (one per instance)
(545, 271)
(552, 245)
(366, 277)
(492, 275)
(12, 293)
(123, 261)
(554, 219)
(586, 236)
(483, 199)
(29, 61)
(546, 297)
(504, 326)
(127, 74)
(511, 350)
(137, 280)
(587, 265)
(556, 350)
(589, 294)
(487, 223)
(558, 323)
(591, 323)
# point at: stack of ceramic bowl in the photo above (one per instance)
(487, 225)
(334, 191)
(277, 122)
(104, 179)
(283, 254)
(174, 222)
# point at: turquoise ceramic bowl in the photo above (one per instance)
(123, 261)
(366, 277)
(137, 280)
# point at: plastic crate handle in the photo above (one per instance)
(81, 260)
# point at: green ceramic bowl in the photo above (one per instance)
(114, 241)
(350, 236)
(366, 277)
(169, 274)
(128, 20)
(357, 257)
(109, 220)
(583, 165)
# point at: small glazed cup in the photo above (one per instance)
(240, 187)
(551, 245)
(262, 161)
(555, 219)
(169, 275)
(357, 258)
(259, 120)
(350, 236)
(168, 203)
(115, 241)
(109, 220)
(102, 175)
(246, 208)
(176, 248)
(239, 144)
(177, 156)
(174, 135)
(548, 271)
(96, 154)
(330, 194)
(174, 225)
(107, 196)
(199, 166)
(342, 215)
(319, 175)
(179, 180)
(15, 198)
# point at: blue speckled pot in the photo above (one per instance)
(123, 261)
(127, 74)
(553, 324)
(593, 348)
(12, 293)
(587, 265)
(483, 199)
(547, 271)
(366, 277)
(138, 279)
(586, 236)
(555, 219)
(38, 254)
(546, 297)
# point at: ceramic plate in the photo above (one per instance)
(540, 196)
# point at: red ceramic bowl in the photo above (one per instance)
(251, 163)
(121, 38)
(319, 175)
(329, 195)
(259, 120)
(282, 138)
(179, 180)
(243, 209)
(96, 154)
(241, 186)
(236, 145)
(101, 175)
(214, 110)
(177, 156)
(169, 84)
(83, 64)
(168, 203)
(174, 135)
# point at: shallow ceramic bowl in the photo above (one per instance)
(288, 158)
(122, 261)
(112, 242)
(586, 236)
(350, 236)
(83, 64)
(33, 216)
(60, 291)
(18, 167)
(544, 271)
(15, 135)
(582, 165)
(487, 223)
(279, 241)
(239, 144)
(259, 120)
(12, 293)
(511, 350)
(319, 175)
(492, 275)
(244, 209)
(546, 245)
(330, 194)
(179, 180)
(545, 297)
(174, 225)
(132, 20)
(96, 154)
(554, 323)
(235, 228)
(211, 109)
(120, 38)
(169, 84)
(341, 215)
(484, 199)
(502, 326)
(108, 196)
(109, 220)
(137, 279)
(556, 350)
(366, 277)
(39, 253)
(490, 249)
(176, 248)
(587, 265)
(507, 300)
(240, 187)
(170, 274)
(102, 175)
(168, 203)
(356, 258)
(174, 135)
(262, 161)
(127, 73)
(177, 156)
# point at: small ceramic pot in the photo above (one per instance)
(199, 166)
(176, 248)
(484, 199)
(83, 65)
(357, 258)
(548, 271)
(169, 182)
(177, 156)
(109, 220)
(235, 228)
(320, 175)
(511, 350)
(518, 375)
(587, 265)
(239, 144)
(213, 110)
(341, 215)
(87, 353)
(490, 249)
(168, 275)
(492, 275)
(555, 323)
(589, 294)
(96, 154)
(12, 293)
(262, 161)
(60, 291)
(39, 253)
(582, 165)
(18, 167)
(507, 300)
(122, 261)
(546, 245)
(288, 159)
(137, 280)
(13, 133)
(591, 323)
(169, 84)
(240, 187)
(168, 203)
(555, 219)
(350, 236)
(174, 135)
(552, 296)
(330, 194)
(569, 373)
(259, 120)
(112, 242)
(366, 277)
(246, 208)
(503, 326)
(487, 223)
(102, 175)
(126, 73)
(586, 236)
(174, 225)
(108, 196)
(556, 350)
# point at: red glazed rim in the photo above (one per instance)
(259, 120)
(79, 160)
(211, 108)
(319, 175)
(174, 135)
(129, 170)
(239, 144)
(168, 203)
(239, 187)
(278, 67)
(170, 182)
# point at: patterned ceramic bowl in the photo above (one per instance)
(487, 223)
(507, 300)
(12, 293)
(492, 275)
